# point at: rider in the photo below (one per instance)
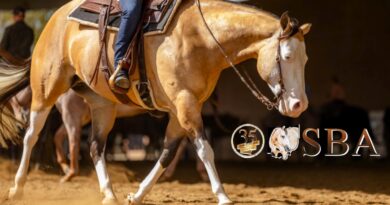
(131, 14)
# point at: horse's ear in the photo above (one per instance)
(305, 28)
(285, 21)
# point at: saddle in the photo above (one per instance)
(154, 12)
(154, 9)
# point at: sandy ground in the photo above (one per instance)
(249, 183)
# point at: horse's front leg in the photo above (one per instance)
(103, 118)
(189, 116)
(206, 154)
(103, 114)
(173, 136)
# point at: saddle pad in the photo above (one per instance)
(87, 18)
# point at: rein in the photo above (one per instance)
(244, 77)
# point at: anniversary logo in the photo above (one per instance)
(248, 142)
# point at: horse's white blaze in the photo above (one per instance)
(293, 60)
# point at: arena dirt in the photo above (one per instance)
(249, 184)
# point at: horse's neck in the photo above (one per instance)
(241, 30)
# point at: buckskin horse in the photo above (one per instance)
(183, 66)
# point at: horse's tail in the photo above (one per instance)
(12, 80)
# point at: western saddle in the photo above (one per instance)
(153, 12)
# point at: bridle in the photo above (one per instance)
(244, 77)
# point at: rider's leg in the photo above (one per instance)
(131, 13)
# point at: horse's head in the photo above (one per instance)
(285, 51)
(284, 141)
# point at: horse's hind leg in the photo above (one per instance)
(37, 121)
(59, 138)
(170, 170)
(74, 135)
(72, 128)
(73, 111)
(174, 135)
(46, 89)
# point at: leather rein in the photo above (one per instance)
(244, 77)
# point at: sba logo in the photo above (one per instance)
(248, 141)
(283, 142)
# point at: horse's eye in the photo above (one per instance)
(288, 56)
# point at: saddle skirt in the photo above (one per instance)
(158, 14)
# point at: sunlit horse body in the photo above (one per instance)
(183, 65)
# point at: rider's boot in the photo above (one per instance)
(120, 81)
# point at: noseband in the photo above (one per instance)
(244, 77)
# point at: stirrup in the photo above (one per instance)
(112, 81)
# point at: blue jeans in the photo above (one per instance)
(131, 14)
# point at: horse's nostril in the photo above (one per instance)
(297, 105)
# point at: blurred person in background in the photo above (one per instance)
(15, 47)
(18, 37)
(338, 113)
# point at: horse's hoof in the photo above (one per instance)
(165, 178)
(204, 176)
(15, 193)
(131, 200)
(109, 201)
(225, 201)
(68, 177)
